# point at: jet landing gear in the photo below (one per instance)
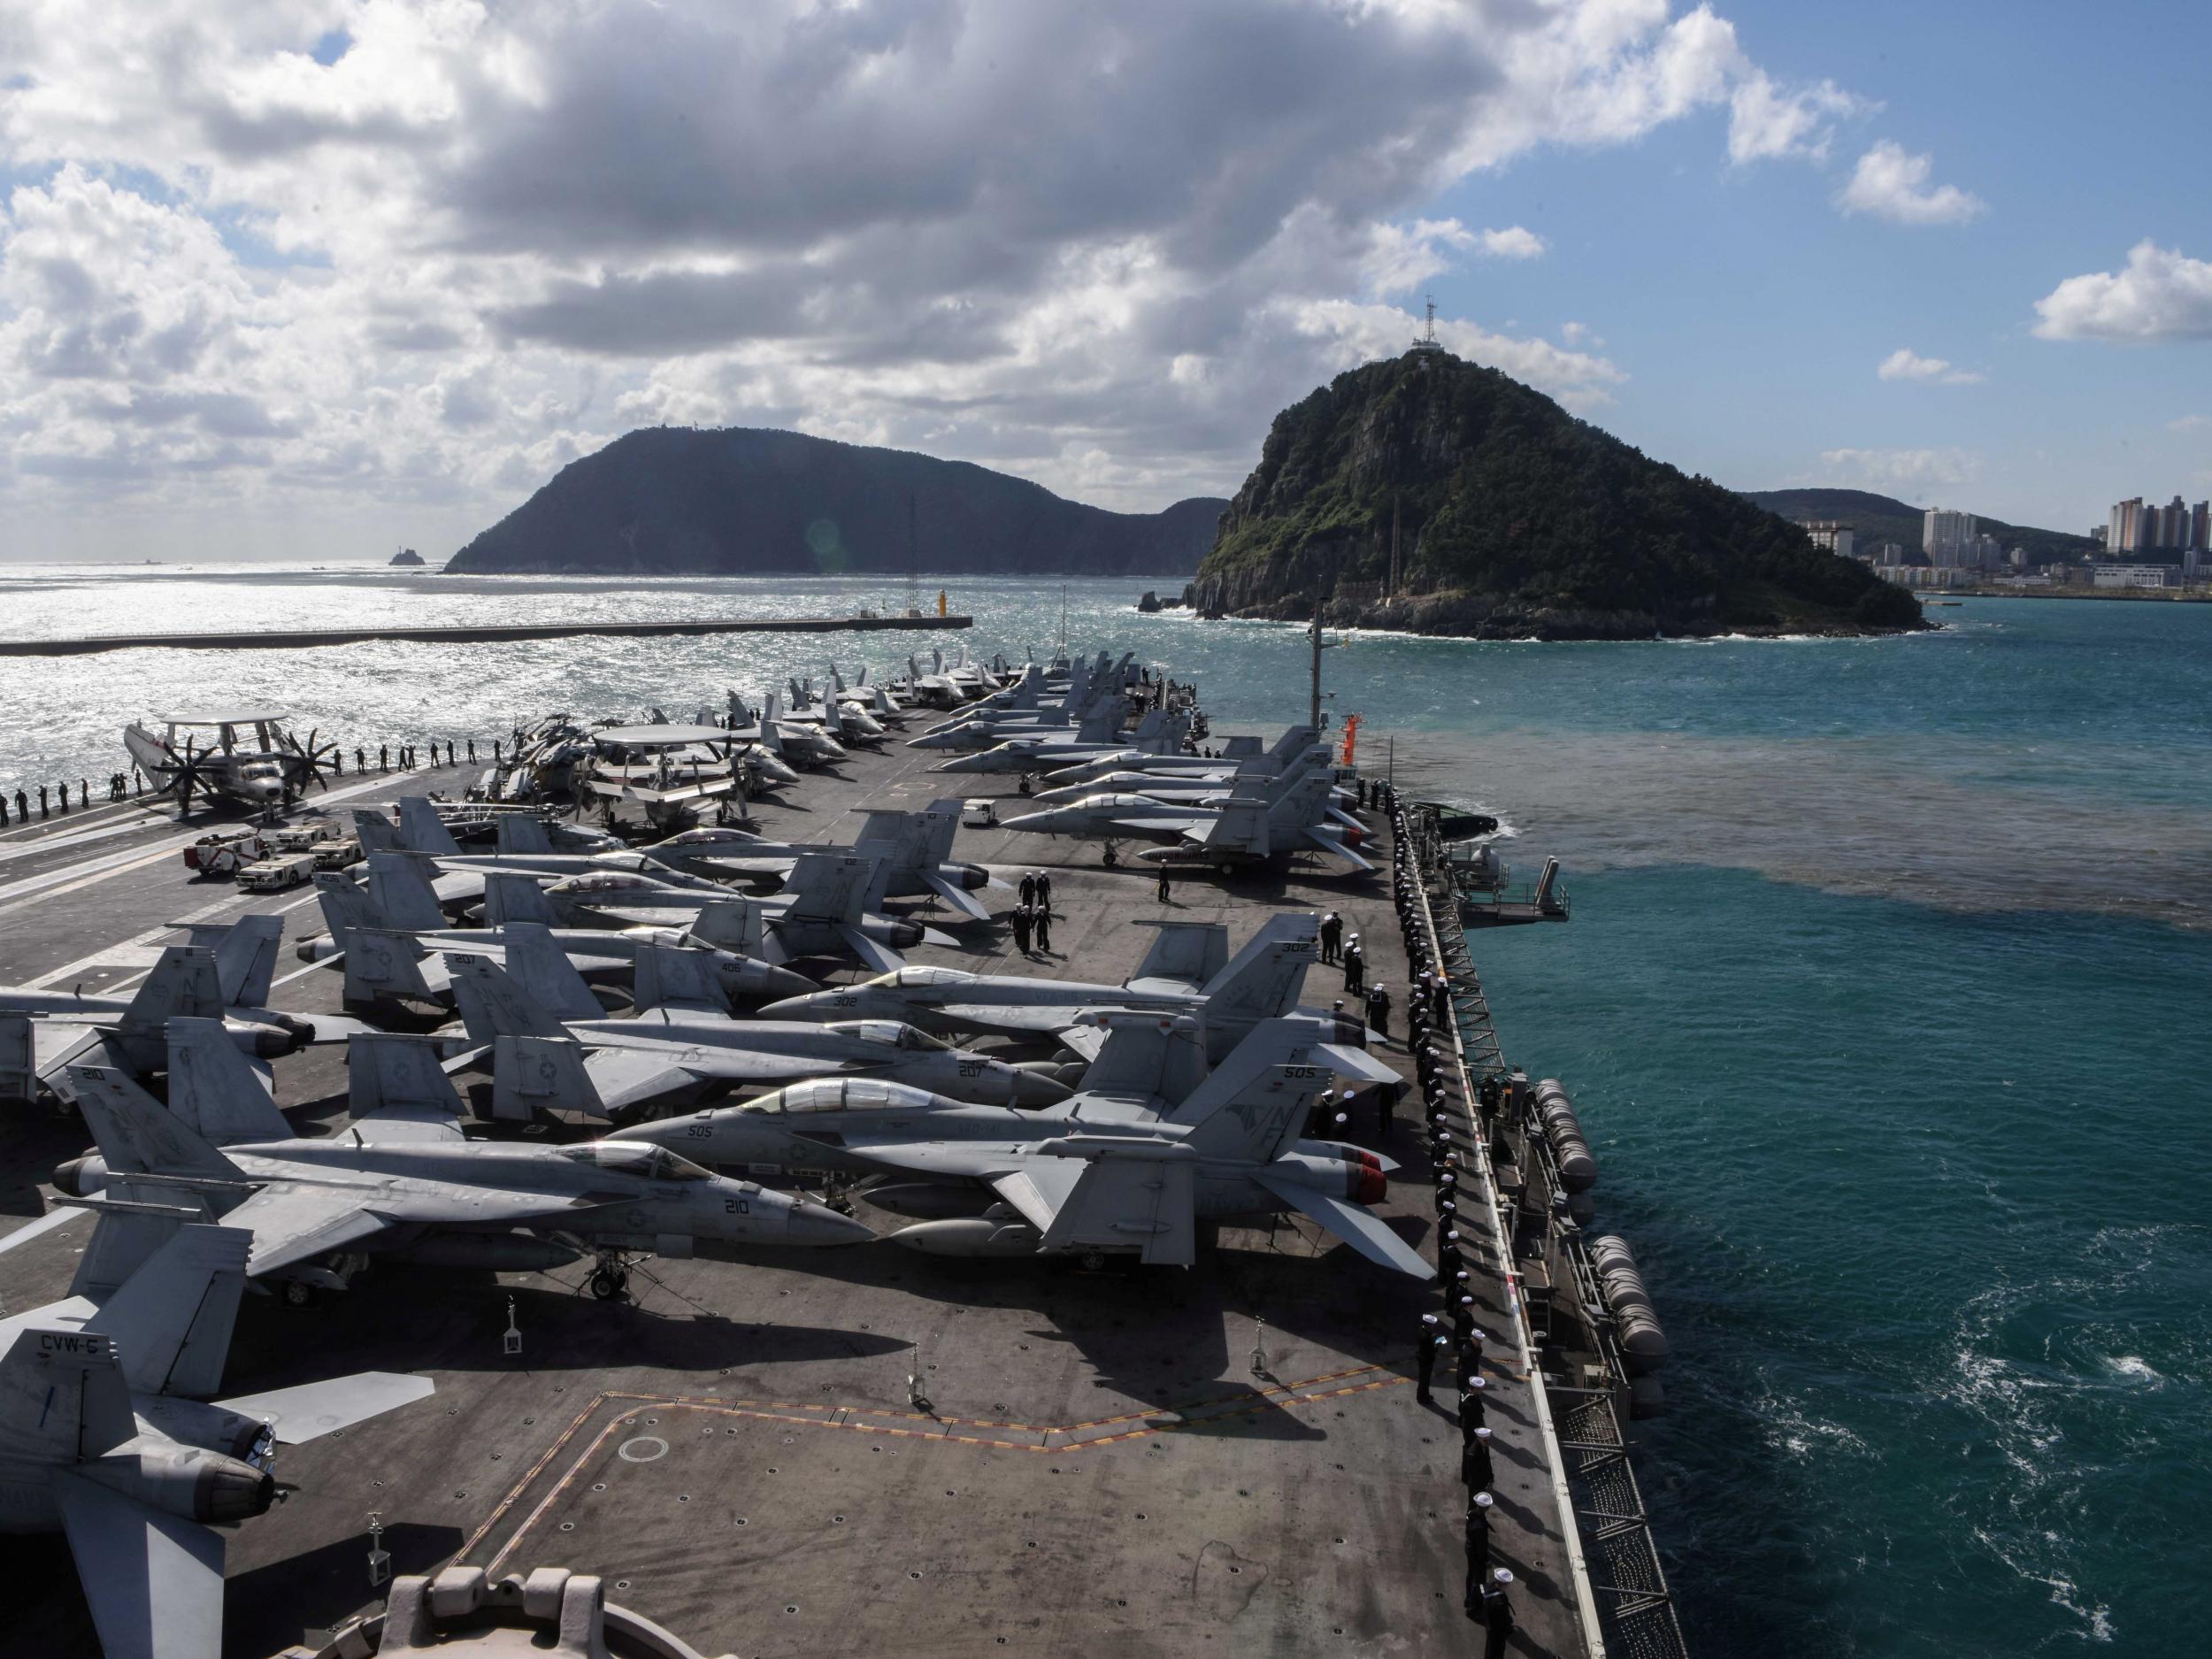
(610, 1278)
(1113, 856)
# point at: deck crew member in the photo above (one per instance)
(1028, 890)
(1426, 1354)
(1044, 890)
(1496, 1614)
(1355, 965)
(1478, 1506)
(1021, 928)
(1164, 897)
(43, 812)
(1474, 1460)
(1043, 919)
(384, 758)
(1378, 1010)
(471, 751)
(1471, 1394)
(1331, 937)
(22, 806)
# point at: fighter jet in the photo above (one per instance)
(916, 848)
(1187, 970)
(1151, 1069)
(1238, 754)
(680, 1042)
(1240, 831)
(107, 1435)
(402, 1181)
(827, 909)
(42, 1033)
(385, 955)
(1046, 1186)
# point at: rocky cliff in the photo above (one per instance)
(1511, 519)
(741, 500)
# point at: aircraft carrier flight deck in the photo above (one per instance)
(861, 1449)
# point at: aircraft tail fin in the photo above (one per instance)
(1191, 952)
(62, 1396)
(177, 1311)
(422, 830)
(1300, 804)
(531, 1075)
(1241, 828)
(511, 896)
(375, 831)
(397, 1076)
(669, 976)
(1141, 1053)
(522, 833)
(492, 1005)
(136, 1134)
(1253, 1113)
(1263, 979)
(830, 887)
(403, 892)
(245, 955)
(346, 904)
(1098, 723)
(182, 984)
(536, 963)
(1294, 742)
(733, 925)
(215, 1090)
(942, 819)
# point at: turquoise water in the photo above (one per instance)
(1884, 1000)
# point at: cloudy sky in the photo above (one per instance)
(314, 278)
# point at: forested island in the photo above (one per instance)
(1511, 519)
(744, 501)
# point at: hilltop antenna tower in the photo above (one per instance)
(1424, 342)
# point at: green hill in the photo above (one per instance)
(1880, 518)
(1515, 519)
(738, 501)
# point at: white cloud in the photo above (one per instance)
(1901, 470)
(2161, 295)
(2190, 423)
(1905, 364)
(409, 283)
(1766, 120)
(1892, 183)
(1513, 243)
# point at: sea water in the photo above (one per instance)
(1884, 1002)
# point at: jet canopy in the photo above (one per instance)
(890, 1030)
(833, 1095)
(911, 978)
(637, 1159)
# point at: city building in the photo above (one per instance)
(2173, 525)
(2131, 575)
(1826, 532)
(2200, 526)
(1948, 538)
(2124, 532)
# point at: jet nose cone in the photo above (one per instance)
(791, 1007)
(1036, 1088)
(784, 982)
(813, 1225)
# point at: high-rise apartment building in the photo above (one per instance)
(1948, 538)
(2124, 532)
(2200, 526)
